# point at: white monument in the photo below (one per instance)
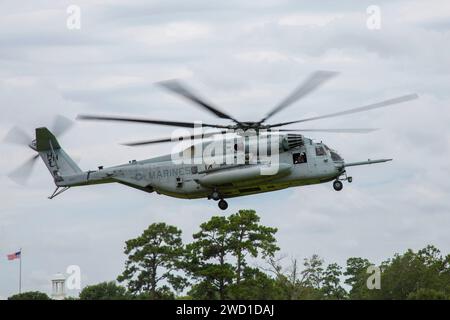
(58, 286)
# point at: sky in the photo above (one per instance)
(245, 56)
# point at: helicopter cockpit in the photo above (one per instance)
(334, 155)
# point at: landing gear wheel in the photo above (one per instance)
(215, 195)
(337, 185)
(223, 205)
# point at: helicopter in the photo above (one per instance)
(240, 159)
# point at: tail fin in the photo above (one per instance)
(57, 161)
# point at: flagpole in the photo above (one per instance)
(20, 272)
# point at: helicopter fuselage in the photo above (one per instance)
(310, 163)
(239, 167)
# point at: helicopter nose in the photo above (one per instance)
(339, 166)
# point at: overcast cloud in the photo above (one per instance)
(245, 56)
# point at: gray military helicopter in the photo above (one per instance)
(236, 167)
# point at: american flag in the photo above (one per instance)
(15, 255)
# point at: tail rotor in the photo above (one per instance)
(21, 174)
(20, 137)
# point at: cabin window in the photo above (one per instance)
(320, 151)
(299, 158)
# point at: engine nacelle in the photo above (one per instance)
(286, 141)
(246, 146)
(244, 175)
(291, 141)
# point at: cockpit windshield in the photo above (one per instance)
(334, 155)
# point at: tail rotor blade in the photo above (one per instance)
(17, 136)
(61, 125)
(21, 174)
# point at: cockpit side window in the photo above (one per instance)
(299, 158)
(320, 151)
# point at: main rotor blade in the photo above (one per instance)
(17, 136)
(354, 110)
(161, 140)
(149, 121)
(178, 88)
(61, 125)
(311, 83)
(358, 130)
(21, 174)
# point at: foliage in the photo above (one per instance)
(206, 260)
(30, 295)
(153, 259)
(104, 291)
(247, 236)
(217, 259)
(313, 272)
(312, 283)
(356, 273)
(413, 275)
(255, 285)
(217, 264)
(427, 294)
(331, 283)
(416, 275)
